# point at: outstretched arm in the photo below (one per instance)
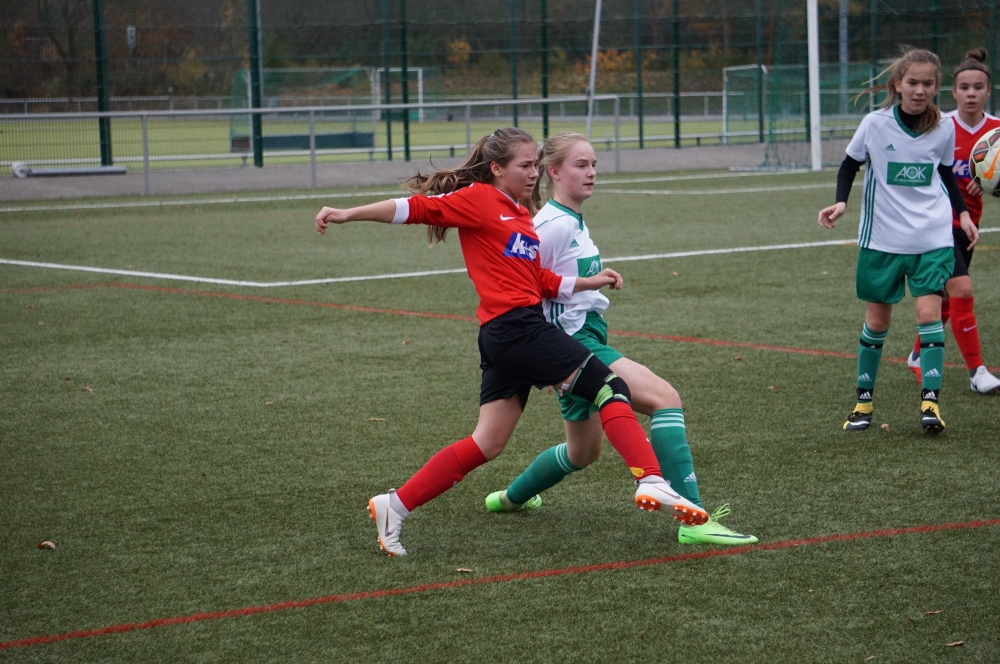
(383, 212)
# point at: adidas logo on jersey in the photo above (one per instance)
(691, 478)
(932, 373)
(865, 377)
(574, 243)
(889, 148)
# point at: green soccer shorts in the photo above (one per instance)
(881, 276)
(593, 335)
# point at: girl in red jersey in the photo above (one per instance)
(971, 88)
(518, 347)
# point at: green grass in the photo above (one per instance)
(224, 451)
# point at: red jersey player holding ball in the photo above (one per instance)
(971, 88)
(518, 348)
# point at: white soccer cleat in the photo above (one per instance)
(984, 382)
(388, 522)
(654, 496)
(913, 362)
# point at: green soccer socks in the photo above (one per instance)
(669, 439)
(931, 357)
(547, 470)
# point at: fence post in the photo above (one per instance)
(312, 149)
(468, 128)
(618, 151)
(145, 155)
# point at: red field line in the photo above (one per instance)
(503, 578)
(420, 314)
(44, 289)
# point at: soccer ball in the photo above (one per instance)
(983, 162)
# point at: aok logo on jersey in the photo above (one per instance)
(588, 267)
(909, 175)
(521, 246)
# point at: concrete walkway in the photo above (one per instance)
(354, 174)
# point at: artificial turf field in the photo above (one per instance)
(194, 449)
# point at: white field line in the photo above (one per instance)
(711, 176)
(362, 194)
(713, 192)
(396, 275)
(425, 273)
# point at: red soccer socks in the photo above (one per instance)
(629, 439)
(443, 471)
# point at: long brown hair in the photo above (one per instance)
(552, 153)
(931, 115)
(498, 147)
(974, 60)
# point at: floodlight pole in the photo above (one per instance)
(992, 54)
(253, 30)
(388, 81)
(812, 22)
(593, 66)
(101, 63)
(404, 80)
(677, 74)
(638, 68)
(513, 56)
(760, 73)
(545, 69)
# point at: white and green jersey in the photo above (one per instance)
(905, 208)
(566, 249)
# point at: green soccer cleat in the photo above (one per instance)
(713, 532)
(497, 502)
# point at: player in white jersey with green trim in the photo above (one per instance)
(905, 233)
(566, 248)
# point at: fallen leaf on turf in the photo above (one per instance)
(268, 403)
(642, 634)
(87, 389)
(954, 643)
(406, 341)
(464, 570)
(41, 323)
(673, 274)
(774, 387)
(68, 378)
(868, 659)
(376, 419)
(824, 273)
(46, 545)
(130, 266)
(738, 357)
(885, 426)
(932, 613)
(29, 306)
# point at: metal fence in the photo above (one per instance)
(153, 140)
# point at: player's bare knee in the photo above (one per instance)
(664, 395)
(490, 445)
(583, 455)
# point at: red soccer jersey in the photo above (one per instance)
(965, 140)
(499, 245)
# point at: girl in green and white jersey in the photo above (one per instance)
(566, 248)
(905, 234)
